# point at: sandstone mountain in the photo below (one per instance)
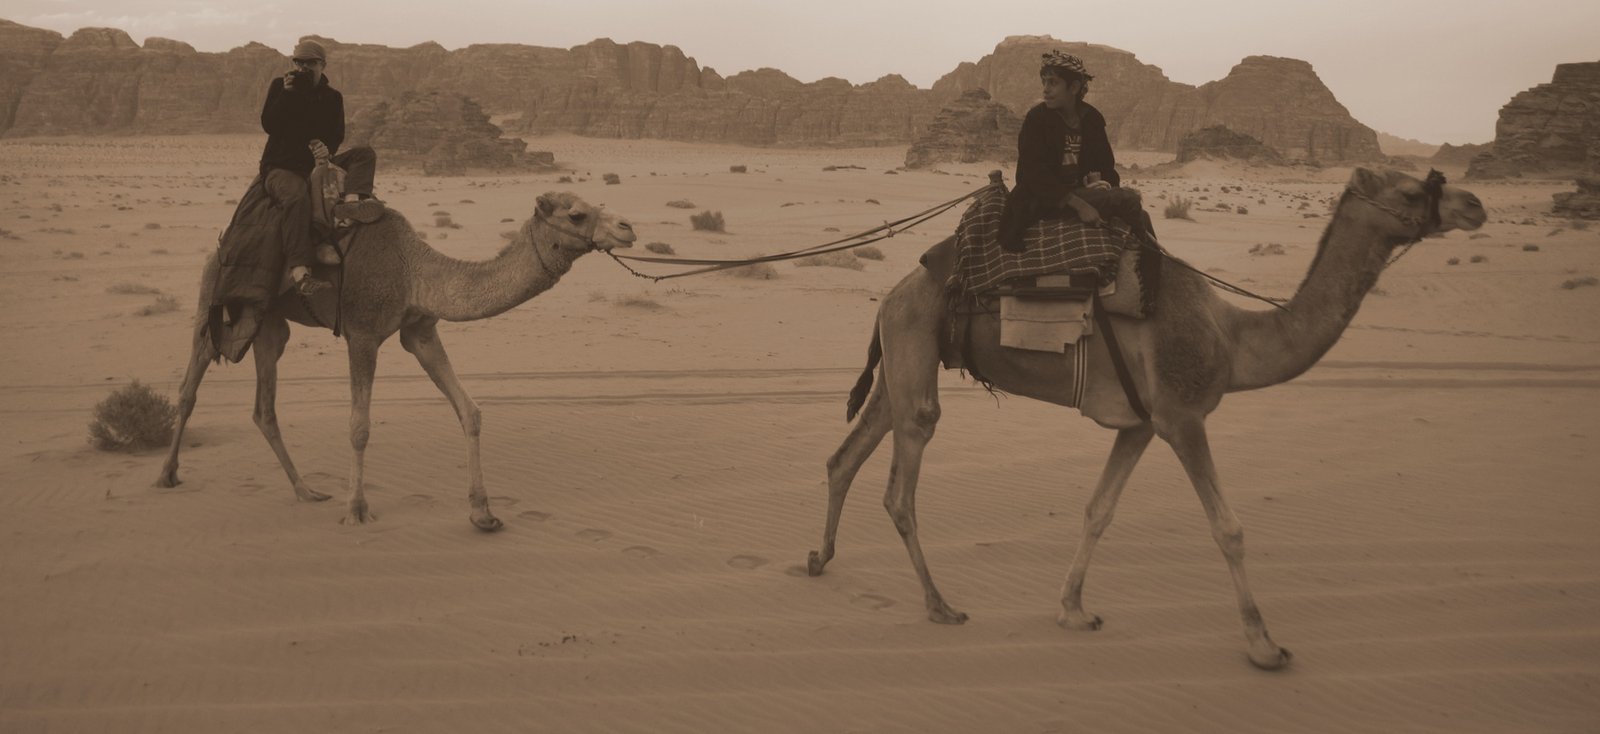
(972, 128)
(447, 134)
(1460, 155)
(99, 80)
(1583, 203)
(1219, 143)
(1394, 145)
(1551, 130)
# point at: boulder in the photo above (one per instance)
(1219, 143)
(1551, 130)
(1583, 203)
(972, 128)
(446, 134)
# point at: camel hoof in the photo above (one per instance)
(1276, 661)
(307, 494)
(1080, 621)
(358, 516)
(943, 614)
(487, 523)
(168, 480)
(814, 564)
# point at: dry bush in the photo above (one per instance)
(737, 169)
(126, 288)
(868, 252)
(753, 271)
(1453, 261)
(445, 222)
(839, 259)
(131, 418)
(1267, 248)
(611, 178)
(163, 304)
(1178, 208)
(660, 248)
(441, 213)
(709, 221)
(1530, 248)
(1587, 280)
(5, 234)
(1480, 258)
(1578, 225)
(681, 204)
(1241, 210)
(152, 225)
(564, 179)
(641, 302)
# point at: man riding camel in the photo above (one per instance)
(304, 121)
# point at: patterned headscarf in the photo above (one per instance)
(1059, 61)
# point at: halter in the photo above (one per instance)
(588, 238)
(1433, 186)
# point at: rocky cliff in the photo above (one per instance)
(447, 134)
(1459, 155)
(100, 81)
(1219, 143)
(1550, 130)
(1280, 102)
(1583, 203)
(972, 128)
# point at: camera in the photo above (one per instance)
(303, 79)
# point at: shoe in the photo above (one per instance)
(365, 211)
(309, 285)
(327, 255)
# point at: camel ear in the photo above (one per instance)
(1364, 180)
(547, 204)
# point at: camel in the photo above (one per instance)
(1191, 351)
(395, 282)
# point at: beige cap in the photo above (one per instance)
(310, 50)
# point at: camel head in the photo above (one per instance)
(575, 226)
(1414, 209)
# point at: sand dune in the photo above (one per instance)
(1419, 508)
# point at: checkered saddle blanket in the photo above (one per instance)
(1052, 246)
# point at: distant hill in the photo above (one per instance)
(1393, 145)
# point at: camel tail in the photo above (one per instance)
(858, 394)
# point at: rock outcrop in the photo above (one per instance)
(1219, 143)
(1552, 130)
(1459, 155)
(1279, 101)
(447, 134)
(1583, 203)
(100, 81)
(972, 128)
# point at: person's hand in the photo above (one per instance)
(319, 151)
(288, 80)
(1092, 181)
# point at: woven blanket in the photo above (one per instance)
(1052, 246)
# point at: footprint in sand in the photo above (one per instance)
(872, 601)
(417, 499)
(594, 535)
(640, 551)
(747, 562)
(534, 515)
(797, 571)
(504, 501)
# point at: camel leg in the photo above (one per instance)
(363, 367)
(1188, 440)
(1125, 453)
(911, 371)
(843, 465)
(270, 341)
(422, 340)
(201, 352)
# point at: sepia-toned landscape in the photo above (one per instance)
(1420, 507)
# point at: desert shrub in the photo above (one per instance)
(869, 252)
(5, 234)
(468, 201)
(1587, 280)
(163, 304)
(660, 248)
(1578, 225)
(611, 178)
(754, 271)
(441, 213)
(1267, 248)
(709, 221)
(1530, 248)
(445, 222)
(839, 259)
(681, 204)
(131, 418)
(126, 288)
(1241, 210)
(1480, 258)
(737, 169)
(1178, 208)
(1453, 261)
(564, 179)
(153, 225)
(641, 302)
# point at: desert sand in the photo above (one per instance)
(1420, 509)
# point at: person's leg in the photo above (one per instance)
(360, 166)
(292, 196)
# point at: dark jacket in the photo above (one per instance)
(294, 119)
(1042, 181)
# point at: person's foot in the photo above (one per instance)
(308, 285)
(365, 211)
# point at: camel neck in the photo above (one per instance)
(458, 290)
(1278, 345)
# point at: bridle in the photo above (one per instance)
(586, 237)
(1433, 186)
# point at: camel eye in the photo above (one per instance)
(577, 217)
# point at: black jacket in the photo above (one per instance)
(294, 119)
(1042, 181)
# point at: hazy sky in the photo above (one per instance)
(1433, 71)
